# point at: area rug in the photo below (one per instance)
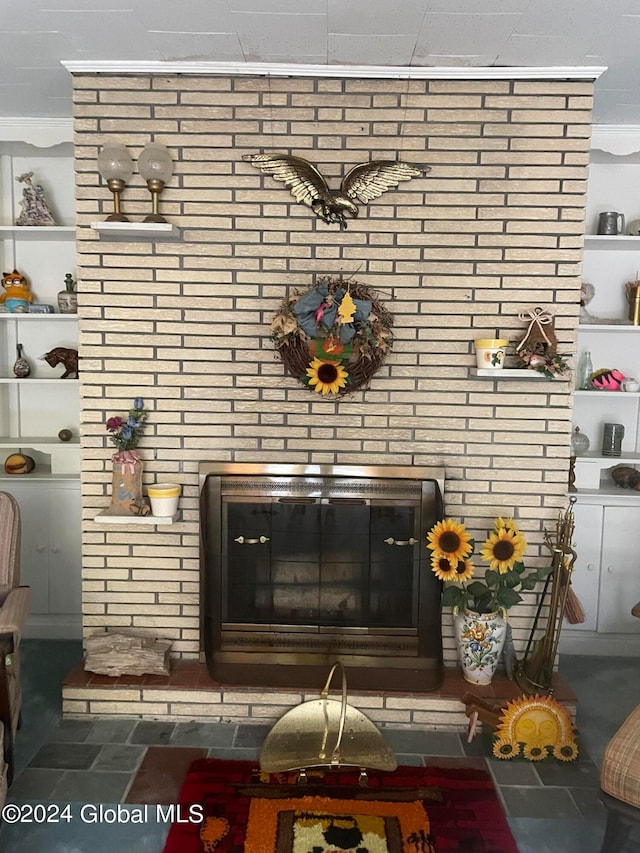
(230, 806)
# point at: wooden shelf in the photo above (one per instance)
(619, 242)
(137, 230)
(105, 518)
(17, 315)
(606, 394)
(509, 373)
(39, 232)
(609, 327)
(32, 380)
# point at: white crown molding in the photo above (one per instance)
(267, 69)
(617, 139)
(41, 132)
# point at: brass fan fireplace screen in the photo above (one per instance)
(305, 565)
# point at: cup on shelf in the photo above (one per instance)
(164, 498)
(490, 353)
(611, 222)
(630, 384)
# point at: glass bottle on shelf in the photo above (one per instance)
(585, 369)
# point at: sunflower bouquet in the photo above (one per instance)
(451, 561)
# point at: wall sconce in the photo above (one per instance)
(156, 167)
(116, 167)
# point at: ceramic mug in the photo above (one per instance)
(630, 384)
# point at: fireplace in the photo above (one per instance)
(305, 565)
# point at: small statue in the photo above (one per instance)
(62, 355)
(17, 295)
(35, 210)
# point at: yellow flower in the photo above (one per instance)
(444, 570)
(500, 522)
(504, 547)
(328, 376)
(449, 539)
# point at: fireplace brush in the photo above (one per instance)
(534, 673)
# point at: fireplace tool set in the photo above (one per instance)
(534, 672)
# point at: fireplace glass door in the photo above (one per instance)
(321, 562)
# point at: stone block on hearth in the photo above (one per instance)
(125, 654)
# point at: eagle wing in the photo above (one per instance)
(369, 180)
(303, 180)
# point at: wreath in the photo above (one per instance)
(333, 337)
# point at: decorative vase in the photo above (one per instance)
(480, 639)
(68, 298)
(126, 487)
(21, 367)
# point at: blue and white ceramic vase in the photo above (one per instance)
(480, 639)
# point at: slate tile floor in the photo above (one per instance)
(552, 808)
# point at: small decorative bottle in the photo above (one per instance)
(583, 379)
(68, 298)
(21, 367)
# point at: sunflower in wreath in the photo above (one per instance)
(333, 337)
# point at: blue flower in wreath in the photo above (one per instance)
(313, 312)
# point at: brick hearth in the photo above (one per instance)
(188, 693)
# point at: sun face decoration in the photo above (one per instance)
(450, 540)
(535, 727)
(328, 377)
(504, 548)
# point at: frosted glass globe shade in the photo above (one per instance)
(115, 163)
(155, 163)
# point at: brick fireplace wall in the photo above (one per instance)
(494, 229)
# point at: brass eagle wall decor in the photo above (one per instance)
(363, 182)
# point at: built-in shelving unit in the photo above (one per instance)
(33, 410)
(508, 373)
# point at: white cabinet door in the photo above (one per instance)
(50, 545)
(34, 542)
(65, 588)
(586, 574)
(620, 571)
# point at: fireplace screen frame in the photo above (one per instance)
(403, 657)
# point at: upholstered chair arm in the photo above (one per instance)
(14, 611)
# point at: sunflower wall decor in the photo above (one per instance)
(333, 337)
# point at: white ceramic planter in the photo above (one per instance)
(164, 499)
(490, 353)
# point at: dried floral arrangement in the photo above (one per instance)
(334, 336)
(538, 349)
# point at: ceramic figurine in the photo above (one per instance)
(62, 355)
(35, 210)
(17, 295)
(68, 298)
(21, 367)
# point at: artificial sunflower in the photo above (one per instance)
(450, 539)
(504, 548)
(327, 376)
(444, 570)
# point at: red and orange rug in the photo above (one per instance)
(230, 806)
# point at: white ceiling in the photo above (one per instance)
(36, 35)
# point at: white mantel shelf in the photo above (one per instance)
(137, 230)
(105, 518)
(509, 373)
